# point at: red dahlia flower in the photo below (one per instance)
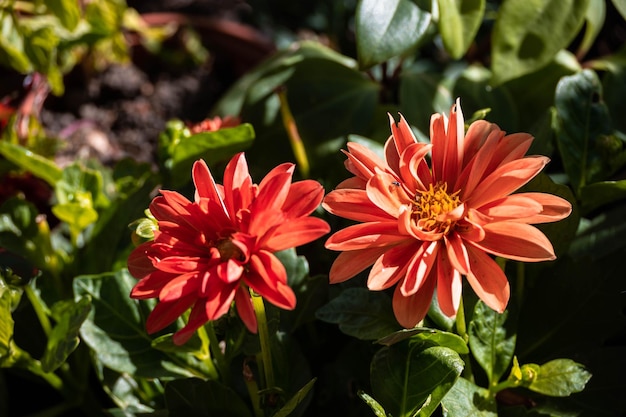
(211, 251)
(423, 227)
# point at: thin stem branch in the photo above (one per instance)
(264, 338)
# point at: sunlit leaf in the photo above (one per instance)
(408, 377)
(114, 329)
(38, 165)
(67, 11)
(598, 194)
(459, 21)
(620, 5)
(360, 313)
(468, 399)
(387, 28)
(429, 336)
(528, 34)
(560, 378)
(195, 397)
(6, 324)
(594, 20)
(583, 121)
(378, 409)
(64, 338)
(12, 52)
(294, 401)
(492, 340)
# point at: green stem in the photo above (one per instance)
(203, 334)
(461, 327)
(253, 390)
(264, 338)
(39, 310)
(214, 346)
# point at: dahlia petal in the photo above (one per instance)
(453, 146)
(165, 313)
(350, 263)
(353, 205)
(303, 198)
(265, 210)
(512, 147)
(139, 265)
(517, 241)
(512, 207)
(180, 264)
(449, 286)
(402, 134)
(475, 168)
(553, 208)
(387, 193)
(205, 185)
(197, 318)
(392, 265)
(409, 311)
(354, 183)
(180, 286)
(217, 295)
(365, 235)
(229, 271)
(437, 138)
(237, 185)
(363, 160)
(267, 276)
(457, 253)
(488, 280)
(406, 226)
(419, 269)
(150, 285)
(245, 309)
(506, 179)
(413, 167)
(295, 232)
(476, 137)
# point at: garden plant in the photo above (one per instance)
(378, 208)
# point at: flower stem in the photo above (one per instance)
(264, 338)
(39, 311)
(205, 337)
(461, 327)
(294, 136)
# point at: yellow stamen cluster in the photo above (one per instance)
(431, 206)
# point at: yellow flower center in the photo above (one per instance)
(431, 207)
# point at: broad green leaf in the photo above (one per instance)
(533, 93)
(614, 84)
(213, 147)
(560, 378)
(67, 11)
(407, 377)
(387, 28)
(620, 5)
(195, 397)
(429, 336)
(12, 52)
(75, 214)
(582, 123)
(492, 340)
(64, 338)
(600, 236)
(297, 267)
(594, 20)
(360, 313)
(6, 324)
(38, 165)
(598, 194)
(528, 34)
(459, 21)
(114, 329)
(466, 399)
(82, 185)
(294, 401)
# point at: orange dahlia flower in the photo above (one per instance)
(211, 251)
(423, 227)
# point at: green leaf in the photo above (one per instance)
(81, 185)
(459, 21)
(599, 194)
(407, 377)
(560, 378)
(360, 313)
(528, 34)
(67, 11)
(195, 397)
(297, 267)
(582, 122)
(38, 165)
(75, 214)
(213, 147)
(63, 339)
(378, 409)
(467, 399)
(492, 340)
(387, 28)
(6, 325)
(295, 400)
(594, 20)
(114, 329)
(429, 336)
(12, 52)
(620, 5)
